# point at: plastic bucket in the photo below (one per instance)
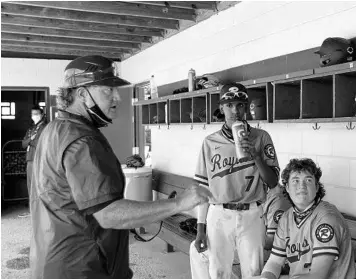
(138, 183)
(258, 109)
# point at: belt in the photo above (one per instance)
(238, 206)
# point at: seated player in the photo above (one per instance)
(312, 235)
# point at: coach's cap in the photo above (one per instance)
(233, 92)
(92, 70)
(332, 44)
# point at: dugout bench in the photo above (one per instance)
(165, 183)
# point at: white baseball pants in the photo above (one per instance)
(228, 230)
(199, 264)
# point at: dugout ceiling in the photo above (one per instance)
(116, 29)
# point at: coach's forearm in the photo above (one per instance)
(128, 214)
(268, 175)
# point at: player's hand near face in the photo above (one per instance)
(248, 146)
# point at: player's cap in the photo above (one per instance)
(332, 44)
(92, 70)
(233, 92)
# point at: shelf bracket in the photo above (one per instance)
(316, 127)
(349, 126)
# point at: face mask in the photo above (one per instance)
(36, 118)
(96, 114)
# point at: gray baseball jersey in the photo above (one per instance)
(229, 179)
(323, 232)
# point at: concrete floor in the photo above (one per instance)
(147, 260)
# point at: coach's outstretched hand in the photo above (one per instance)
(193, 196)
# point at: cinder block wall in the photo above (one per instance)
(33, 72)
(246, 33)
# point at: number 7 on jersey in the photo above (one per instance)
(251, 178)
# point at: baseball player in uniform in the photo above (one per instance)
(274, 207)
(233, 219)
(312, 235)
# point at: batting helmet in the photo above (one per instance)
(334, 51)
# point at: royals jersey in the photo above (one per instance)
(274, 207)
(323, 232)
(231, 179)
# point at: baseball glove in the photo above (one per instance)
(189, 226)
(134, 161)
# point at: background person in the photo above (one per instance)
(30, 141)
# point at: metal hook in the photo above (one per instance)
(168, 127)
(349, 127)
(258, 125)
(191, 127)
(159, 127)
(316, 126)
(204, 127)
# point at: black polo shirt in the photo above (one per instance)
(75, 174)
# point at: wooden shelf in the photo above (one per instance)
(287, 100)
(258, 104)
(199, 109)
(317, 120)
(345, 94)
(186, 108)
(162, 112)
(316, 95)
(336, 68)
(174, 111)
(145, 114)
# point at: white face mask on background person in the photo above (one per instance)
(36, 118)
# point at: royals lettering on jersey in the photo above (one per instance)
(229, 178)
(324, 232)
